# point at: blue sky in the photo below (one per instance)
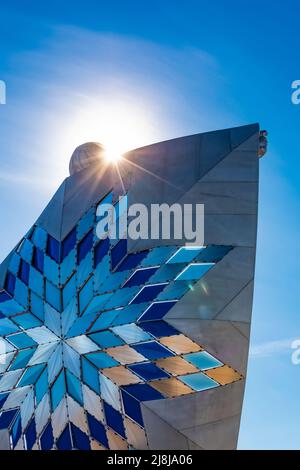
(181, 68)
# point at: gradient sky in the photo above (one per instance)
(167, 68)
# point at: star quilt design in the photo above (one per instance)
(84, 340)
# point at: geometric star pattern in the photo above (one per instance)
(85, 342)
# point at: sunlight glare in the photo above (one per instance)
(118, 126)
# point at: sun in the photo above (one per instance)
(119, 125)
(112, 154)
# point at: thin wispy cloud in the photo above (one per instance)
(25, 180)
(270, 348)
(64, 88)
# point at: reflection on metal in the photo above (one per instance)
(120, 375)
(171, 387)
(224, 375)
(176, 365)
(180, 344)
(125, 355)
